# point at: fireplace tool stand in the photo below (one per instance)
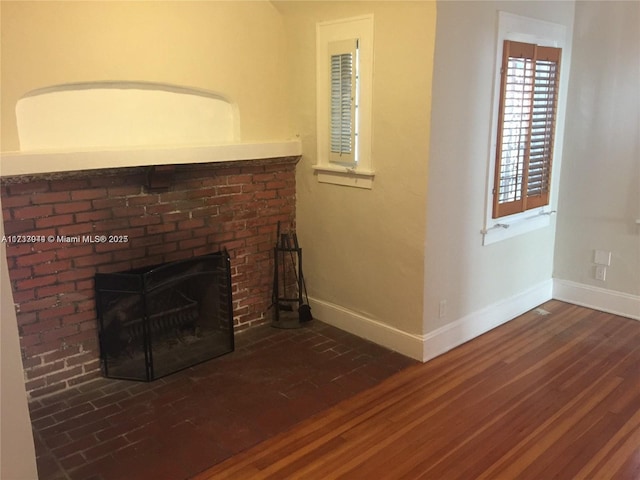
(290, 310)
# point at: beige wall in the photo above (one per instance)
(17, 451)
(364, 249)
(600, 190)
(459, 269)
(234, 48)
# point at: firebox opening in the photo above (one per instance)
(157, 320)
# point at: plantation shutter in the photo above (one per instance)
(343, 97)
(524, 153)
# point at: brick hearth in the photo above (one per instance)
(206, 207)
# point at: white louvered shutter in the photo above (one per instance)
(342, 118)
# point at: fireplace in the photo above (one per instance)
(207, 207)
(157, 320)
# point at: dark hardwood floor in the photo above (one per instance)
(179, 425)
(546, 396)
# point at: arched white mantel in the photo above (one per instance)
(85, 126)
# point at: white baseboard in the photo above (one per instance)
(609, 301)
(435, 343)
(470, 326)
(425, 347)
(392, 338)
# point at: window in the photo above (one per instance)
(527, 115)
(527, 126)
(344, 61)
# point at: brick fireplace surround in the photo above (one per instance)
(207, 207)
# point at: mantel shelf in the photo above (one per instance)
(30, 163)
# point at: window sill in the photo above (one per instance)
(345, 176)
(502, 229)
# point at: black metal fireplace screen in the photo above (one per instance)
(157, 320)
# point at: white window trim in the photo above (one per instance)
(361, 174)
(529, 30)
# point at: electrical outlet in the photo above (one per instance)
(601, 273)
(443, 309)
(602, 257)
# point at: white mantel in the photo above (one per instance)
(98, 125)
(36, 162)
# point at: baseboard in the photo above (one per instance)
(392, 338)
(428, 346)
(470, 326)
(610, 301)
(435, 343)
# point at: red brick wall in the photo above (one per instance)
(206, 208)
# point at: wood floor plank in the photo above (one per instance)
(585, 397)
(543, 396)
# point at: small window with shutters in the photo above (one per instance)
(344, 86)
(526, 127)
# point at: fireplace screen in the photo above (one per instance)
(157, 320)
